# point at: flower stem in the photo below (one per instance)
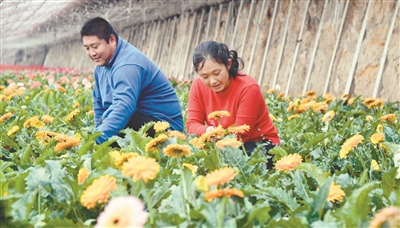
(244, 149)
(148, 201)
(185, 194)
(361, 159)
(222, 212)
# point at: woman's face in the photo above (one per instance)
(215, 75)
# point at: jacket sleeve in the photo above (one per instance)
(249, 105)
(97, 103)
(126, 84)
(195, 123)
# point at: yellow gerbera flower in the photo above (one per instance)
(161, 126)
(389, 117)
(369, 118)
(377, 138)
(233, 142)
(177, 134)
(72, 114)
(12, 130)
(98, 191)
(328, 116)
(82, 175)
(335, 193)
(289, 162)
(239, 129)
(47, 119)
(379, 128)
(197, 142)
(75, 105)
(5, 116)
(201, 184)
(119, 158)
(220, 176)
(375, 165)
(176, 150)
(141, 168)
(311, 93)
(34, 122)
(154, 144)
(328, 98)
(350, 144)
(387, 217)
(216, 133)
(191, 167)
(218, 114)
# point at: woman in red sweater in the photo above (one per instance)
(220, 86)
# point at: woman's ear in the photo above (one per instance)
(228, 66)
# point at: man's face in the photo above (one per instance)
(99, 50)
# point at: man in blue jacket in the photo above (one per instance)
(129, 90)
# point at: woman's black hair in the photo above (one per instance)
(98, 27)
(219, 53)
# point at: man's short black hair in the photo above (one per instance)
(98, 27)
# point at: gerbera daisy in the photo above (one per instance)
(335, 193)
(90, 112)
(387, 217)
(200, 184)
(177, 134)
(47, 119)
(82, 175)
(239, 129)
(292, 106)
(161, 126)
(61, 89)
(191, 167)
(320, 106)
(72, 114)
(66, 144)
(34, 122)
(123, 211)
(369, 118)
(375, 165)
(141, 168)
(5, 116)
(12, 130)
(120, 158)
(377, 138)
(75, 105)
(197, 142)
(220, 176)
(328, 116)
(154, 144)
(176, 150)
(219, 193)
(328, 98)
(98, 191)
(389, 117)
(216, 133)
(293, 116)
(350, 144)
(379, 128)
(289, 162)
(233, 142)
(218, 114)
(311, 93)
(44, 135)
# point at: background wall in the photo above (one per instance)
(328, 46)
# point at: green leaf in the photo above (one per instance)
(260, 212)
(4, 165)
(301, 187)
(278, 152)
(282, 196)
(57, 222)
(314, 172)
(212, 160)
(88, 146)
(389, 182)
(319, 200)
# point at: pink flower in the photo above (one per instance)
(64, 79)
(123, 211)
(35, 84)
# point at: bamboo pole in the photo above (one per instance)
(188, 46)
(170, 46)
(310, 67)
(209, 21)
(354, 63)
(236, 24)
(328, 76)
(181, 46)
(155, 40)
(247, 27)
(218, 22)
(271, 28)
(282, 44)
(256, 38)
(201, 25)
(161, 48)
(378, 81)
(228, 21)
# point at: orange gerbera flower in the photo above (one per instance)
(72, 114)
(311, 93)
(47, 119)
(12, 130)
(197, 142)
(218, 114)
(328, 98)
(387, 217)
(272, 90)
(216, 133)
(61, 89)
(119, 158)
(293, 116)
(5, 116)
(335, 193)
(350, 144)
(44, 135)
(98, 191)
(161, 126)
(389, 117)
(239, 129)
(177, 134)
(219, 193)
(83, 175)
(320, 106)
(141, 168)
(293, 106)
(76, 104)
(233, 142)
(220, 176)
(377, 138)
(154, 144)
(176, 150)
(67, 144)
(90, 112)
(289, 162)
(328, 116)
(34, 122)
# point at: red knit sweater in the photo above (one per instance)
(242, 99)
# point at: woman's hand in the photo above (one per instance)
(210, 128)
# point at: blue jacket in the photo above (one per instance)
(130, 82)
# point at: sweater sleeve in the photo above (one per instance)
(97, 103)
(249, 109)
(195, 123)
(126, 85)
